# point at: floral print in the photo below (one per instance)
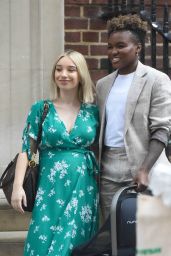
(66, 207)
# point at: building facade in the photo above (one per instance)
(32, 35)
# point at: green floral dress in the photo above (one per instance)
(66, 207)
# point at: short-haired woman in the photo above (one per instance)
(135, 111)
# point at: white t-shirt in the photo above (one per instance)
(115, 111)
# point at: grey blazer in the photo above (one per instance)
(148, 112)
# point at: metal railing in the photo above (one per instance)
(157, 26)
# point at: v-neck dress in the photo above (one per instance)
(66, 207)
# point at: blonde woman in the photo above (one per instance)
(65, 213)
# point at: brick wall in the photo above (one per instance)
(85, 32)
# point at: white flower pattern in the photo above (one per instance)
(86, 214)
(66, 207)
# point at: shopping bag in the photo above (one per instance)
(153, 229)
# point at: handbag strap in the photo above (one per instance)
(39, 136)
(45, 111)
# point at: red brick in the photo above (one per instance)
(72, 11)
(103, 37)
(91, 11)
(159, 2)
(99, 1)
(98, 50)
(97, 74)
(78, 2)
(92, 63)
(104, 63)
(90, 36)
(80, 48)
(76, 23)
(159, 38)
(97, 24)
(72, 37)
(159, 50)
(159, 63)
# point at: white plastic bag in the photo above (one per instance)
(160, 180)
(153, 229)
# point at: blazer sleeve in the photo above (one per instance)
(160, 110)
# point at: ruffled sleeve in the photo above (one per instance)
(32, 126)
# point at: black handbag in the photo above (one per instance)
(31, 175)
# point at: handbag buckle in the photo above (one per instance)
(32, 162)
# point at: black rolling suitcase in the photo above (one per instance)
(117, 236)
(123, 222)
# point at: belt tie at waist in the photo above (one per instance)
(91, 162)
(90, 158)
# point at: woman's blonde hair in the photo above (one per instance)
(86, 87)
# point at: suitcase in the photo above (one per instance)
(123, 222)
(117, 236)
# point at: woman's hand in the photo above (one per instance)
(18, 198)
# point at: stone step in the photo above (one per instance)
(12, 243)
(13, 229)
(11, 220)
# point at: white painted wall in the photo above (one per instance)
(32, 35)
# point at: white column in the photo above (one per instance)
(32, 35)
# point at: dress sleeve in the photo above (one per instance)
(32, 127)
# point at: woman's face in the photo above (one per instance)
(123, 51)
(66, 74)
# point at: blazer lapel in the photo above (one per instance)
(134, 92)
(106, 89)
(107, 85)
